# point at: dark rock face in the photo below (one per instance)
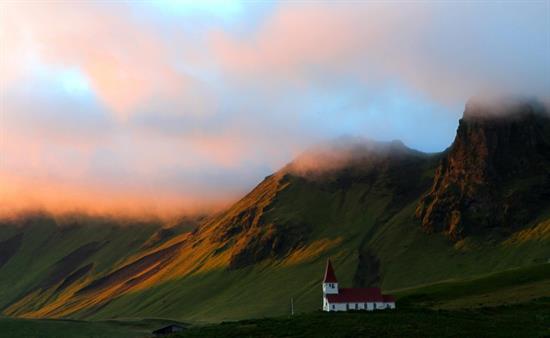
(495, 175)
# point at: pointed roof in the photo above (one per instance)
(330, 276)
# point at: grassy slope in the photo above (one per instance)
(408, 258)
(511, 286)
(45, 243)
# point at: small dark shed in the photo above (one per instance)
(173, 328)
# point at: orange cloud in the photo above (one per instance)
(19, 194)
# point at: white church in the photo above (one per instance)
(345, 299)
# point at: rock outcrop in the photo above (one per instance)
(495, 173)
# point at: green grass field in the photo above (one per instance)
(526, 320)
(502, 288)
(58, 328)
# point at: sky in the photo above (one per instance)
(166, 107)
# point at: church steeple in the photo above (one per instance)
(330, 283)
(330, 276)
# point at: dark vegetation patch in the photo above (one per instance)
(182, 225)
(9, 247)
(145, 276)
(128, 271)
(407, 180)
(67, 265)
(270, 241)
(368, 270)
(125, 284)
(222, 248)
(73, 277)
(248, 214)
(159, 237)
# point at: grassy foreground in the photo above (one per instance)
(56, 328)
(513, 303)
(525, 320)
(507, 287)
(521, 320)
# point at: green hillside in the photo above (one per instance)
(387, 216)
(41, 253)
(501, 288)
(265, 288)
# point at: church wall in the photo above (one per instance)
(337, 307)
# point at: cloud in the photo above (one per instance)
(176, 106)
(448, 51)
(329, 157)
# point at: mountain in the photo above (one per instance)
(495, 175)
(387, 215)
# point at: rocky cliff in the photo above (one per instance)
(495, 174)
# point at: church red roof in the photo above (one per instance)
(360, 295)
(330, 276)
(389, 299)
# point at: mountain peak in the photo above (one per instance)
(346, 152)
(493, 109)
(496, 145)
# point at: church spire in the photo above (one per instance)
(330, 276)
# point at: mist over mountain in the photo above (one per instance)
(332, 156)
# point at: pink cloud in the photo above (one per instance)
(126, 61)
(446, 51)
(181, 117)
